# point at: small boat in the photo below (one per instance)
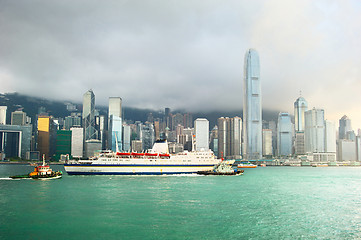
(246, 165)
(43, 172)
(222, 168)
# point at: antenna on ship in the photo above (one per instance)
(116, 143)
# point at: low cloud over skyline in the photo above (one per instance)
(184, 54)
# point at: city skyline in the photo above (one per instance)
(184, 53)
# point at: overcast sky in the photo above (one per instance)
(184, 54)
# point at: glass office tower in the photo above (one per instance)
(252, 107)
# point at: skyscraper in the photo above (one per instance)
(314, 131)
(330, 137)
(267, 148)
(89, 116)
(300, 107)
(201, 129)
(252, 107)
(284, 135)
(3, 114)
(18, 118)
(115, 123)
(46, 136)
(344, 127)
(229, 137)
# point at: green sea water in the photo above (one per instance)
(264, 203)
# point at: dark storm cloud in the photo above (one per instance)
(183, 54)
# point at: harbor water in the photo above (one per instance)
(264, 203)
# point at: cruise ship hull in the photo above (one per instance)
(133, 169)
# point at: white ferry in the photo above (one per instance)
(156, 161)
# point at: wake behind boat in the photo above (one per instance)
(156, 161)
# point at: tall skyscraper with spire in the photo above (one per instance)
(89, 116)
(252, 107)
(300, 107)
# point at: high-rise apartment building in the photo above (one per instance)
(314, 131)
(201, 130)
(284, 135)
(267, 148)
(252, 107)
(300, 107)
(3, 115)
(229, 137)
(115, 125)
(89, 116)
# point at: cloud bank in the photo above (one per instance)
(184, 54)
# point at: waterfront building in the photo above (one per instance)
(252, 107)
(299, 144)
(126, 138)
(46, 136)
(91, 147)
(267, 148)
(3, 115)
(115, 123)
(15, 140)
(77, 142)
(330, 137)
(346, 150)
(284, 135)
(89, 116)
(300, 107)
(314, 131)
(63, 144)
(358, 147)
(18, 118)
(344, 127)
(201, 130)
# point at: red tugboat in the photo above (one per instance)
(42, 172)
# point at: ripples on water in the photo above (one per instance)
(264, 203)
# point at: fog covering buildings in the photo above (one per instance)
(311, 137)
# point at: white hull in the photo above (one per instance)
(134, 170)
